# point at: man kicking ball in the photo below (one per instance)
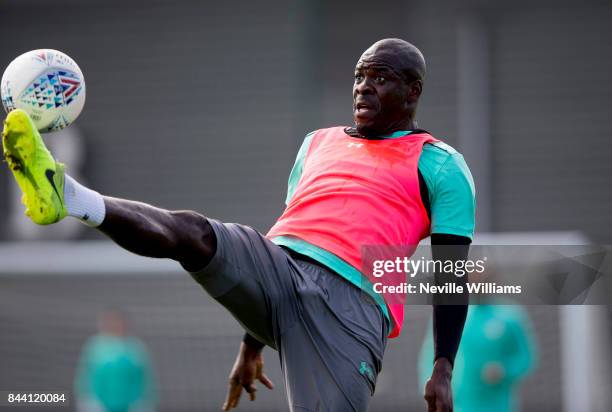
(301, 289)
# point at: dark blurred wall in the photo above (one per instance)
(202, 105)
(551, 122)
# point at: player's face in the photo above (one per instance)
(381, 98)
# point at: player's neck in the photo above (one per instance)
(410, 124)
(405, 126)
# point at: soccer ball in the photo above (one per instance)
(48, 85)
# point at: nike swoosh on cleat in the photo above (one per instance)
(50, 174)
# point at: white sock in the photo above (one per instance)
(85, 204)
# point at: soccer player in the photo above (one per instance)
(115, 372)
(301, 289)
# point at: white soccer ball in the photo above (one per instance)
(48, 85)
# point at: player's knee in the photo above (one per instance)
(196, 242)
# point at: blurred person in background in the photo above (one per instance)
(115, 373)
(497, 351)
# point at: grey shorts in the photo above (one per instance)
(330, 336)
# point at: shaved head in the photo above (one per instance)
(388, 84)
(402, 57)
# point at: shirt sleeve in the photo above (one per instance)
(298, 166)
(453, 198)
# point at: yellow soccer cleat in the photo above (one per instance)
(39, 176)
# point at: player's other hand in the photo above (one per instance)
(247, 369)
(438, 392)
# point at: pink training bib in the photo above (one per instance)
(356, 193)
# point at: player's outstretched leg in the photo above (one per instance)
(244, 258)
(236, 265)
(39, 176)
(49, 195)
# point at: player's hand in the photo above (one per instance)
(247, 369)
(438, 392)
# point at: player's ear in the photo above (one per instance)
(415, 88)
